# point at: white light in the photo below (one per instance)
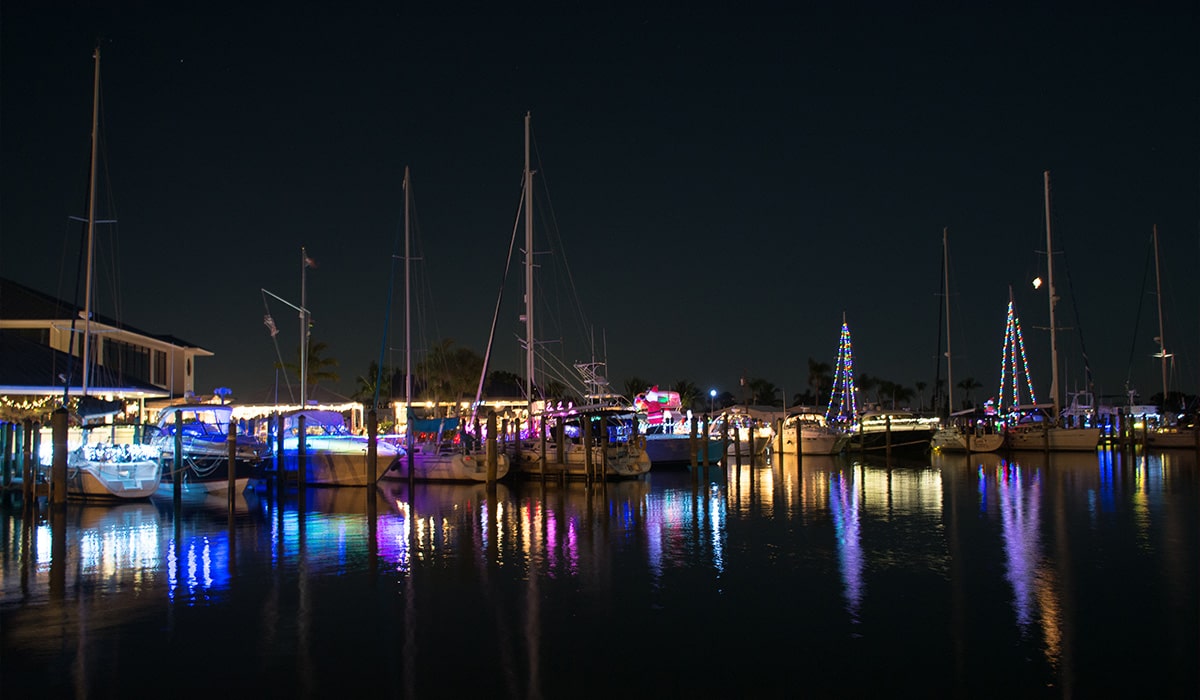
(1037, 282)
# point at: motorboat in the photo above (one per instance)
(203, 430)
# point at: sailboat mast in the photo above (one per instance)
(528, 271)
(946, 286)
(1162, 350)
(407, 304)
(91, 227)
(408, 382)
(303, 328)
(1053, 300)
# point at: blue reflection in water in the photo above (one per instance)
(716, 509)
(843, 501)
(1019, 503)
(204, 568)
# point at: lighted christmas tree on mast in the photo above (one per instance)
(843, 407)
(1013, 362)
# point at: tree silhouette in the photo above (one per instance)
(968, 385)
(504, 383)
(635, 386)
(689, 395)
(365, 391)
(820, 379)
(762, 392)
(450, 374)
(320, 368)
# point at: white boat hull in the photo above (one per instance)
(1172, 438)
(624, 462)
(457, 467)
(118, 480)
(814, 442)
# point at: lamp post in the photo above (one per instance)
(712, 400)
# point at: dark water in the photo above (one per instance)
(1039, 576)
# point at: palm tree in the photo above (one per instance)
(820, 378)
(762, 392)
(557, 391)
(867, 386)
(365, 393)
(921, 390)
(450, 373)
(635, 386)
(689, 395)
(968, 385)
(901, 394)
(504, 383)
(320, 368)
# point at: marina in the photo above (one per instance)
(1059, 575)
(503, 444)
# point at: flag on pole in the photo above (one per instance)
(309, 262)
(270, 324)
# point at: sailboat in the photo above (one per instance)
(597, 438)
(99, 467)
(1169, 433)
(963, 432)
(437, 455)
(1037, 430)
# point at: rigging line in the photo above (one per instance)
(279, 355)
(1087, 367)
(578, 312)
(937, 362)
(487, 354)
(387, 317)
(1138, 317)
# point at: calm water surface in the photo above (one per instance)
(1027, 576)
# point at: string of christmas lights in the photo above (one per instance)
(843, 393)
(1014, 349)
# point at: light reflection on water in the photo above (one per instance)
(1020, 570)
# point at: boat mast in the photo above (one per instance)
(528, 272)
(408, 383)
(946, 288)
(1162, 351)
(304, 263)
(1053, 300)
(91, 227)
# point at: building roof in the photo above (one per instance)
(32, 368)
(21, 303)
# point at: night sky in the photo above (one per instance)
(724, 187)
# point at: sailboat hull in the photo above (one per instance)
(1053, 438)
(954, 440)
(453, 467)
